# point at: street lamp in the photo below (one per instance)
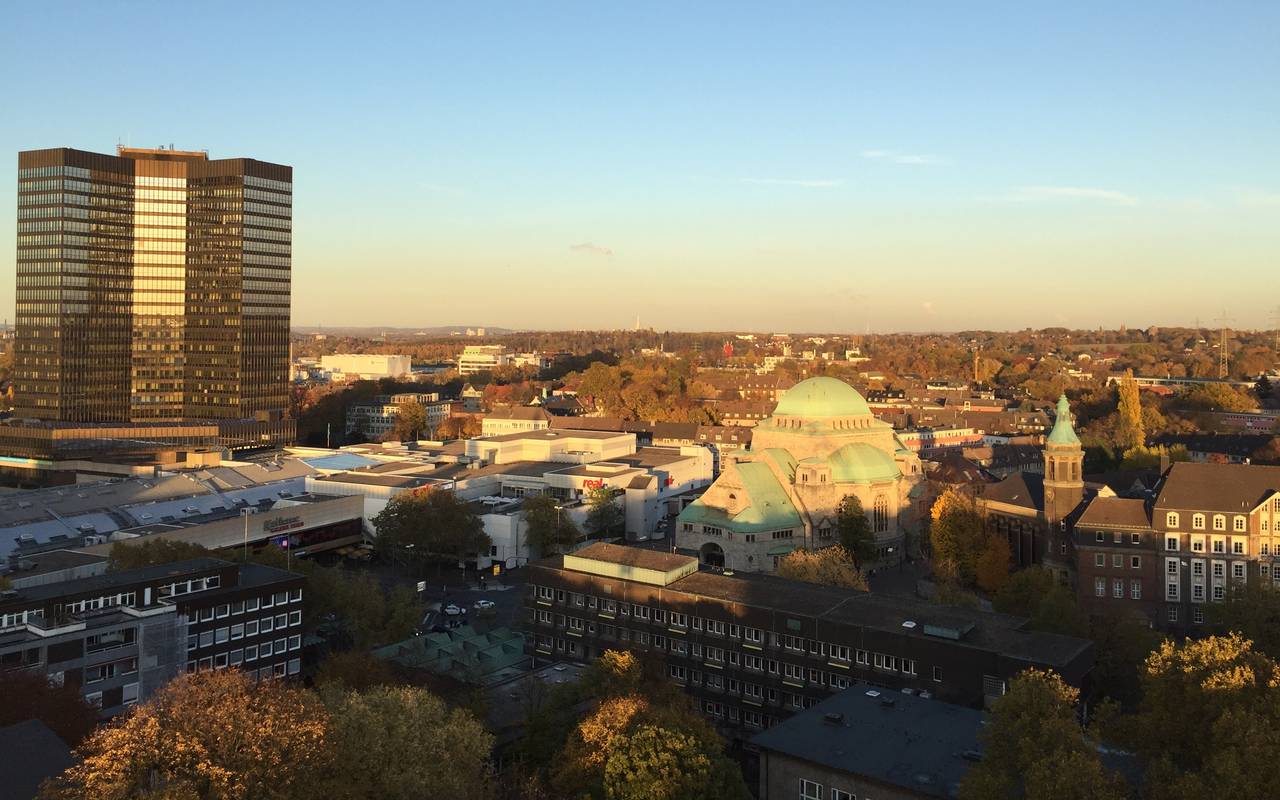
(245, 512)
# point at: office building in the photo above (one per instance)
(153, 286)
(754, 649)
(483, 358)
(366, 367)
(120, 636)
(870, 743)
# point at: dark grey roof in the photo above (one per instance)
(32, 753)
(113, 579)
(1115, 512)
(890, 738)
(1229, 488)
(1024, 489)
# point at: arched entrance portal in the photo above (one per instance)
(712, 555)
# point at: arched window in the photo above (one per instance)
(880, 515)
(1197, 522)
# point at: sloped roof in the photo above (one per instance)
(463, 653)
(1229, 488)
(769, 508)
(1063, 432)
(1115, 512)
(859, 462)
(1024, 489)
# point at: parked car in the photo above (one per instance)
(483, 605)
(454, 611)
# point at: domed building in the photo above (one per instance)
(821, 445)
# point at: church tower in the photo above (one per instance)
(1063, 469)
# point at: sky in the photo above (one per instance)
(836, 167)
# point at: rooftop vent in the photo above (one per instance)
(872, 693)
(909, 624)
(834, 718)
(888, 702)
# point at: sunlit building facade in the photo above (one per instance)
(152, 285)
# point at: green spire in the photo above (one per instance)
(1063, 432)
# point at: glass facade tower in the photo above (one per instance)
(153, 285)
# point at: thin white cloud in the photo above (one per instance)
(895, 157)
(1091, 193)
(589, 249)
(802, 183)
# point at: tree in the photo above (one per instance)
(992, 568)
(1209, 706)
(213, 735)
(404, 743)
(854, 531)
(150, 551)
(830, 566)
(548, 529)
(432, 524)
(353, 670)
(1129, 431)
(1251, 610)
(1052, 607)
(604, 514)
(1263, 390)
(1216, 397)
(655, 763)
(411, 421)
(26, 694)
(1034, 747)
(957, 533)
(1122, 645)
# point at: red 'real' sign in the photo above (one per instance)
(593, 483)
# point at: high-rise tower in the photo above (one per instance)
(153, 285)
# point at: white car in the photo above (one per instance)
(453, 611)
(481, 605)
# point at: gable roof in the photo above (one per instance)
(1229, 488)
(519, 412)
(768, 509)
(1023, 489)
(1115, 512)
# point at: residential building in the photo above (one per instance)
(175, 282)
(483, 358)
(366, 367)
(119, 636)
(754, 649)
(870, 743)
(820, 445)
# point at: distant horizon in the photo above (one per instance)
(829, 166)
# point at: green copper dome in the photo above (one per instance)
(822, 397)
(862, 463)
(1063, 432)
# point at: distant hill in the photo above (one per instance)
(369, 332)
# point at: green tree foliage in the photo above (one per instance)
(548, 529)
(411, 421)
(28, 695)
(353, 670)
(957, 534)
(1251, 610)
(1149, 458)
(604, 515)
(1035, 748)
(1216, 397)
(1210, 709)
(1130, 432)
(151, 550)
(830, 566)
(432, 524)
(854, 531)
(657, 763)
(1052, 607)
(403, 743)
(1122, 644)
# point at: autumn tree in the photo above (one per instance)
(1252, 610)
(604, 515)
(151, 550)
(433, 524)
(1129, 430)
(353, 670)
(991, 571)
(404, 743)
(411, 421)
(548, 530)
(854, 531)
(957, 533)
(658, 763)
(829, 566)
(27, 694)
(1209, 706)
(213, 735)
(1052, 607)
(1035, 748)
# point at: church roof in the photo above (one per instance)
(1063, 432)
(822, 397)
(1023, 489)
(861, 463)
(768, 509)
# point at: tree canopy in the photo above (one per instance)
(854, 531)
(430, 524)
(151, 550)
(957, 534)
(604, 515)
(27, 694)
(548, 530)
(829, 566)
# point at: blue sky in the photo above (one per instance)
(819, 166)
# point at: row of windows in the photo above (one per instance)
(1117, 588)
(1239, 522)
(241, 630)
(241, 606)
(1239, 545)
(238, 658)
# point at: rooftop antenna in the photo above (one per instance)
(1223, 321)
